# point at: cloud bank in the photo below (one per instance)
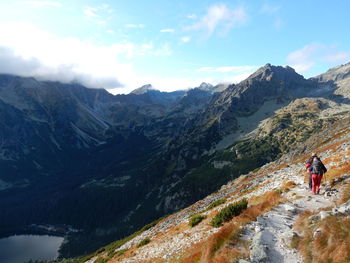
(26, 50)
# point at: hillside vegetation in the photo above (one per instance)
(283, 221)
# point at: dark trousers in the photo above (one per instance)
(310, 181)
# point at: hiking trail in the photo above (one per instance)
(271, 234)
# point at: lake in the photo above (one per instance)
(22, 248)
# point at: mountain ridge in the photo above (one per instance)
(160, 152)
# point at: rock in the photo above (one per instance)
(314, 218)
(257, 228)
(243, 261)
(317, 231)
(290, 208)
(345, 208)
(92, 260)
(330, 192)
(324, 214)
(258, 250)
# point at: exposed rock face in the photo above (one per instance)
(335, 74)
(337, 79)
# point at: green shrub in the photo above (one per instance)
(196, 219)
(102, 260)
(256, 170)
(227, 213)
(280, 191)
(216, 203)
(143, 242)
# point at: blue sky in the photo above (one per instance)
(121, 45)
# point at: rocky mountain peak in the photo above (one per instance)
(205, 86)
(335, 74)
(269, 72)
(142, 90)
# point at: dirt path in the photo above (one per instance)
(271, 234)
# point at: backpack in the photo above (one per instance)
(317, 167)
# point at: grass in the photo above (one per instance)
(196, 219)
(143, 242)
(287, 186)
(336, 172)
(330, 244)
(216, 203)
(229, 232)
(228, 212)
(345, 195)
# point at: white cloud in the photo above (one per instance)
(229, 69)
(220, 16)
(269, 9)
(164, 50)
(185, 39)
(110, 31)
(42, 3)
(134, 25)
(26, 50)
(101, 11)
(227, 74)
(164, 84)
(91, 12)
(304, 59)
(167, 30)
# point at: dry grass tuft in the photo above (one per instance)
(302, 221)
(270, 196)
(193, 258)
(229, 255)
(334, 159)
(333, 147)
(345, 195)
(287, 186)
(228, 232)
(330, 244)
(336, 172)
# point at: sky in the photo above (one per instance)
(121, 45)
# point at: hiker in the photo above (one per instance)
(307, 166)
(317, 170)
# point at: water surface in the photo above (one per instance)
(22, 248)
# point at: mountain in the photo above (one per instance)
(144, 89)
(138, 157)
(283, 221)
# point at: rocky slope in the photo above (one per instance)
(269, 235)
(144, 155)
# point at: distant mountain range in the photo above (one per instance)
(108, 164)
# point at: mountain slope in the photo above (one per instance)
(138, 156)
(259, 238)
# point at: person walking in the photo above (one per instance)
(317, 169)
(307, 166)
